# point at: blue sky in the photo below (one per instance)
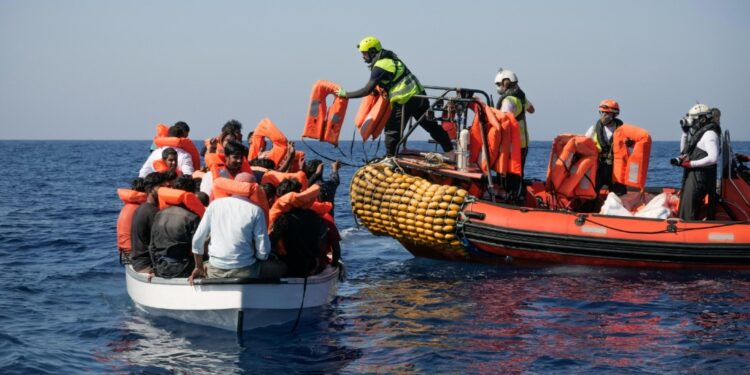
(114, 69)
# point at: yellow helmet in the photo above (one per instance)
(369, 42)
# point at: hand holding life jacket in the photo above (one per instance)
(175, 197)
(162, 140)
(630, 164)
(572, 166)
(323, 123)
(373, 114)
(267, 129)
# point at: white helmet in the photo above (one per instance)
(699, 109)
(505, 74)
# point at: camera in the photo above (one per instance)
(675, 161)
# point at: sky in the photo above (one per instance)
(111, 70)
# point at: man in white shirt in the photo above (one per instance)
(184, 160)
(699, 153)
(239, 244)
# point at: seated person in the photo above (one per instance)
(184, 159)
(172, 235)
(239, 245)
(168, 161)
(299, 236)
(143, 218)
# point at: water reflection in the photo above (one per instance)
(161, 345)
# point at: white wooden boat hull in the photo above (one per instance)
(232, 306)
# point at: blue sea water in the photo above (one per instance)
(64, 308)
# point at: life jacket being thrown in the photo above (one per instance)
(323, 123)
(572, 166)
(175, 197)
(503, 140)
(630, 165)
(307, 198)
(131, 200)
(162, 140)
(267, 129)
(373, 114)
(225, 187)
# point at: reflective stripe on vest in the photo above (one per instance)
(404, 84)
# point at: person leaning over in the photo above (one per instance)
(699, 153)
(239, 245)
(392, 75)
(601, 132)
(513, 100)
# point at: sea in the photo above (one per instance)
(64, 308)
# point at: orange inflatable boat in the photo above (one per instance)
(441, 211)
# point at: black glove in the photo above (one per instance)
(629, 142)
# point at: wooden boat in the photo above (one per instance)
(530, 225)
(234, 303)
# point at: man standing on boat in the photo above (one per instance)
(513, 100)
(392, 75)
(602, 133)
(239, 245)
(699, 153)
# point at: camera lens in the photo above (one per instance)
(674, 161)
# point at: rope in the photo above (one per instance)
(329, 159)
(586, 219)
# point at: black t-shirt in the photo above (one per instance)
(141, 235)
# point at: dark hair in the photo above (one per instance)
(153, 180)
(234, 148)
(232, 126)
(203, 197)
(176, 131)
(183, 126)
(310, 166)
(169, 175)
(287, 186)
(138, 185)
(263, 163)
(186, 183)
(168, 151)
(269, 189)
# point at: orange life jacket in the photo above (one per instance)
(307, 198)
(323, 123)
(161, 140)
(224, 187)
(298, 159)
(219, 145)
(161, 166)
(373, 114)
(275, 177)
(175, 197)
(267, 129)
(503, 140)
(572, 166)
(217, 161)
(630, 168)
(131, 200)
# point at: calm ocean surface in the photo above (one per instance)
(64, 308)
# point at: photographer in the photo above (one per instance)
(699, 148)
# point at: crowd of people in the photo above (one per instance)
(233, 215)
